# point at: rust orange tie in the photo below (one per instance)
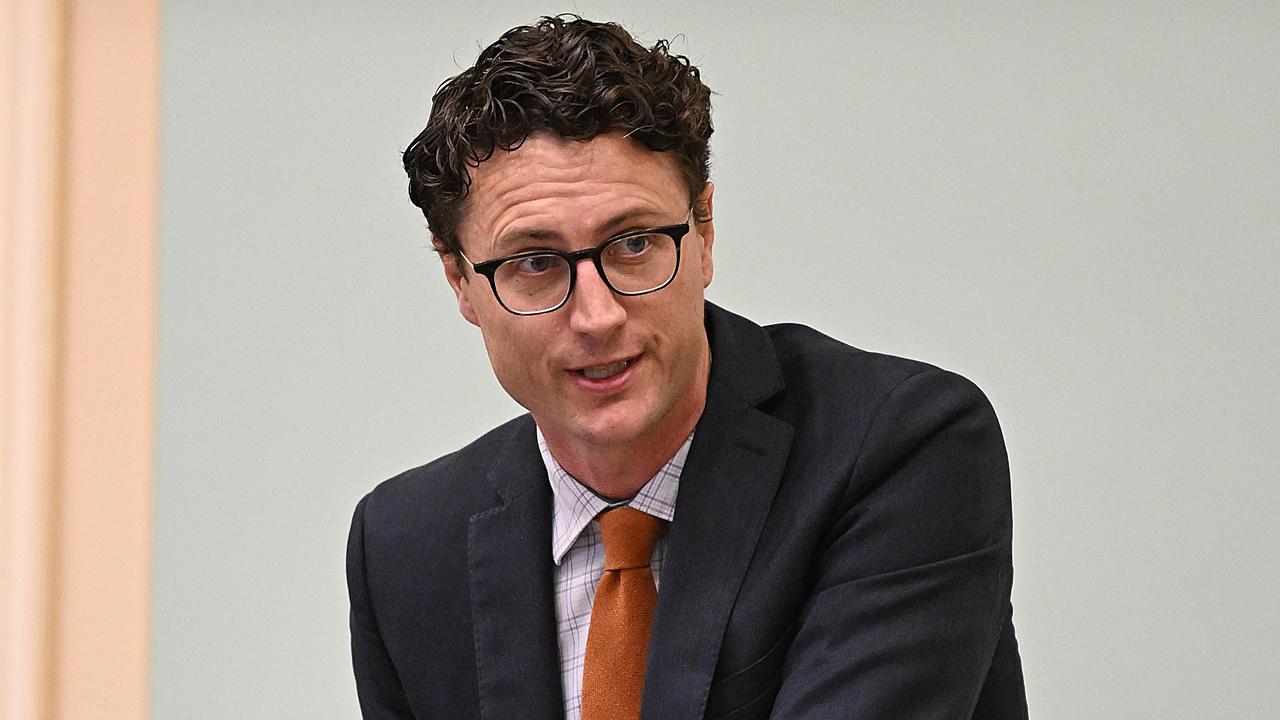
(618, 637)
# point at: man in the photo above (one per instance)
(699, 517)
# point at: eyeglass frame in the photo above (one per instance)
(489, 268)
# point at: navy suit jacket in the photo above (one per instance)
(841, 548)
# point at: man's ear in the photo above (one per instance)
(458, 279)
(704, 221)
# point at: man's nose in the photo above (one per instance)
(593, 308)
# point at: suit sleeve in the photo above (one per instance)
(910, 613)
(378, 686)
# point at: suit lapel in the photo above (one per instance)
(512, 601)
(726, 490)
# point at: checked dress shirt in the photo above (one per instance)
(578, 553)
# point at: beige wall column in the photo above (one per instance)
(78, 193)
(30, 92)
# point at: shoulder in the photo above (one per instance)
(458, 484)
(839, 376)
(914, 446)
(801, 347)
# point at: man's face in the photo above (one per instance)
(652, 349)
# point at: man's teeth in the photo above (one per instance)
(603, 371)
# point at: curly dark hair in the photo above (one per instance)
(567, 76)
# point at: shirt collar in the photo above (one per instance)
(575, 506)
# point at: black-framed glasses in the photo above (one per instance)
(540, 281)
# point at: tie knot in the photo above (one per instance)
(629, 537)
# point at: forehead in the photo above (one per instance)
(568, 189)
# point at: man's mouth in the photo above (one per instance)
(600, 372)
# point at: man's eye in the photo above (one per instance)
(536, 264)
(634, 245)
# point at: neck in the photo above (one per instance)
(618, 471)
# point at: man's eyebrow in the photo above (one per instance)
(607, 228)
(507, 240)
(621, 219)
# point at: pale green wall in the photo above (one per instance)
(1074, 204)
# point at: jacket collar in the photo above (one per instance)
(510, 581)
(730, 479)
(743, 361)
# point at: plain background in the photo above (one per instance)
(1075, 204)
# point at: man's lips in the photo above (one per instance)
(605, 370)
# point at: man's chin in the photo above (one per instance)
(608, 429)
(610, 436)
